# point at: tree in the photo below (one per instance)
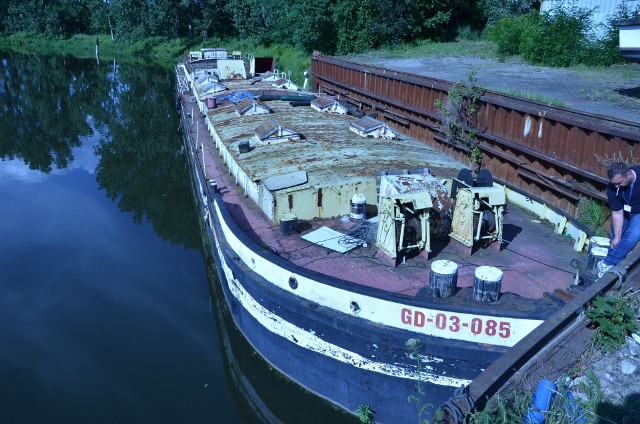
(494, 10)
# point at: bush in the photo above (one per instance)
(507, 33)
(560, 38)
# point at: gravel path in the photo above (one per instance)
(594, 90)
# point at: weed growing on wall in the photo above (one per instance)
(459, 115)
(414, 346)
(614, 320)
(594, 214)
(365, 414)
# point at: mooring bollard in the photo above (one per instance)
(486, 284)
(443, 278)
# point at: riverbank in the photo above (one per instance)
(156, 50)
(164, 52)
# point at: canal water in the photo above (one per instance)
(106, 314)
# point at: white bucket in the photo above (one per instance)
(599, 242)
(358, 207)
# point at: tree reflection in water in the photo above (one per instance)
(50, 104)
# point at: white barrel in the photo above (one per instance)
(443, 278)
(596, 254)
(486, 284)
(599, 242)
(358, 206)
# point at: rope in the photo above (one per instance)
(456, 413)
(620, 272)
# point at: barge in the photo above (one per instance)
(370, 269)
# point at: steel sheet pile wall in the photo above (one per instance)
(549, 152)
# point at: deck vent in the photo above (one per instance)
(285, 83)
(369, 127)
(211, 88)
(205, 78)
(251, 107)
(329, 105)
(272, 132)
(244, 146)
(269, 77)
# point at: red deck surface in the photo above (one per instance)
(533, 259)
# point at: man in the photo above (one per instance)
(624, 200)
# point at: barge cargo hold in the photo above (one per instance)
(357, 261)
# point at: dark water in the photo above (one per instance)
(106, 314)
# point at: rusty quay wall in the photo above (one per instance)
(551, 153)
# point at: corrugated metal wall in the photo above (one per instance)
(551, 153)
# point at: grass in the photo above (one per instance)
(513, 407)
(550, 101)
(594, 214)
(421, 48)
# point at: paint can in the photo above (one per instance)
(358, 206)
(599, 242)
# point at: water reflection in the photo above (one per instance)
(101, 320)
(122, 114)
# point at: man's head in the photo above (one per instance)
(619, 174)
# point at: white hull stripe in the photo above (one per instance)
(482, 329)
(276, 325)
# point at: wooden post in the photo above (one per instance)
(98, 50)
(443, 278)
(486, 284)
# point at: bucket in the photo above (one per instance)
(211, 103)
(599, 242)
(358, 206)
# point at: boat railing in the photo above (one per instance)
(181, 79)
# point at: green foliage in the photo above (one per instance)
(414, 346)
(561, 37)
(507, 33)
(495, 10)
(458, 116)
(594, 214)
(558, 38)
(614, 319)
(365, 414)
(330, 26)
(535, 97)
(512, 408)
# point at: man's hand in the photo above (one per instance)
(615, 241)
